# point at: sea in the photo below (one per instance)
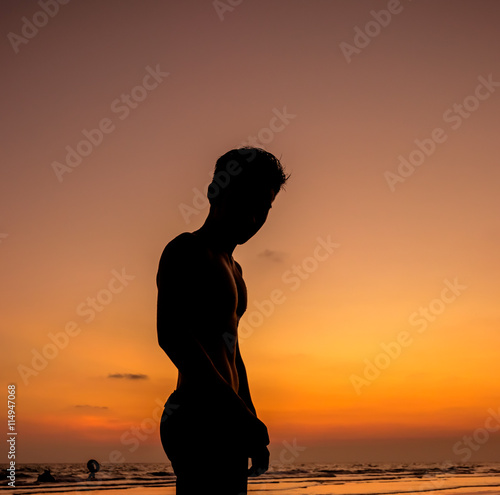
(382, 478)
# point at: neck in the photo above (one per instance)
(216, 233)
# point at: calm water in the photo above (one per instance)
(71, 477)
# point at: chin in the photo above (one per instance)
(242, 240)
(244, 237)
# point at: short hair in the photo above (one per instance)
(245, 169)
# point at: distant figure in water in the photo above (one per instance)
(93, 466)
(209, 428)
(46, 476)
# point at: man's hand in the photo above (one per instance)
(260, 461)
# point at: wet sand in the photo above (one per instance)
(459, 485)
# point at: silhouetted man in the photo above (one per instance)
(209, 428)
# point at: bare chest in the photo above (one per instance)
(227, 289)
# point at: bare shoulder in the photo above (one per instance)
(183, 254)
(183, 245)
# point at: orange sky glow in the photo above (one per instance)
(372, 330)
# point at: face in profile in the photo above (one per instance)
(247, 212)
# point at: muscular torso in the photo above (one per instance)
(216, 301)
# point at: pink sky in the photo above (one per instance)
(172, 86)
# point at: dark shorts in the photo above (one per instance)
(203, 446)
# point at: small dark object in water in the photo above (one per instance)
(46, 476)
(93, 466)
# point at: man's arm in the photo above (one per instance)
(260, 452)
(243, 389)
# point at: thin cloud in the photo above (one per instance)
(129, 376)
(276, 256)
(87, 406)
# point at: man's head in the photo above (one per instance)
(245, 183)
(242, 171)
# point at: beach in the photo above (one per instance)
(301, 487)
(271, 489)
(303, 479)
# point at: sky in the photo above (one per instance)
(372, 330)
